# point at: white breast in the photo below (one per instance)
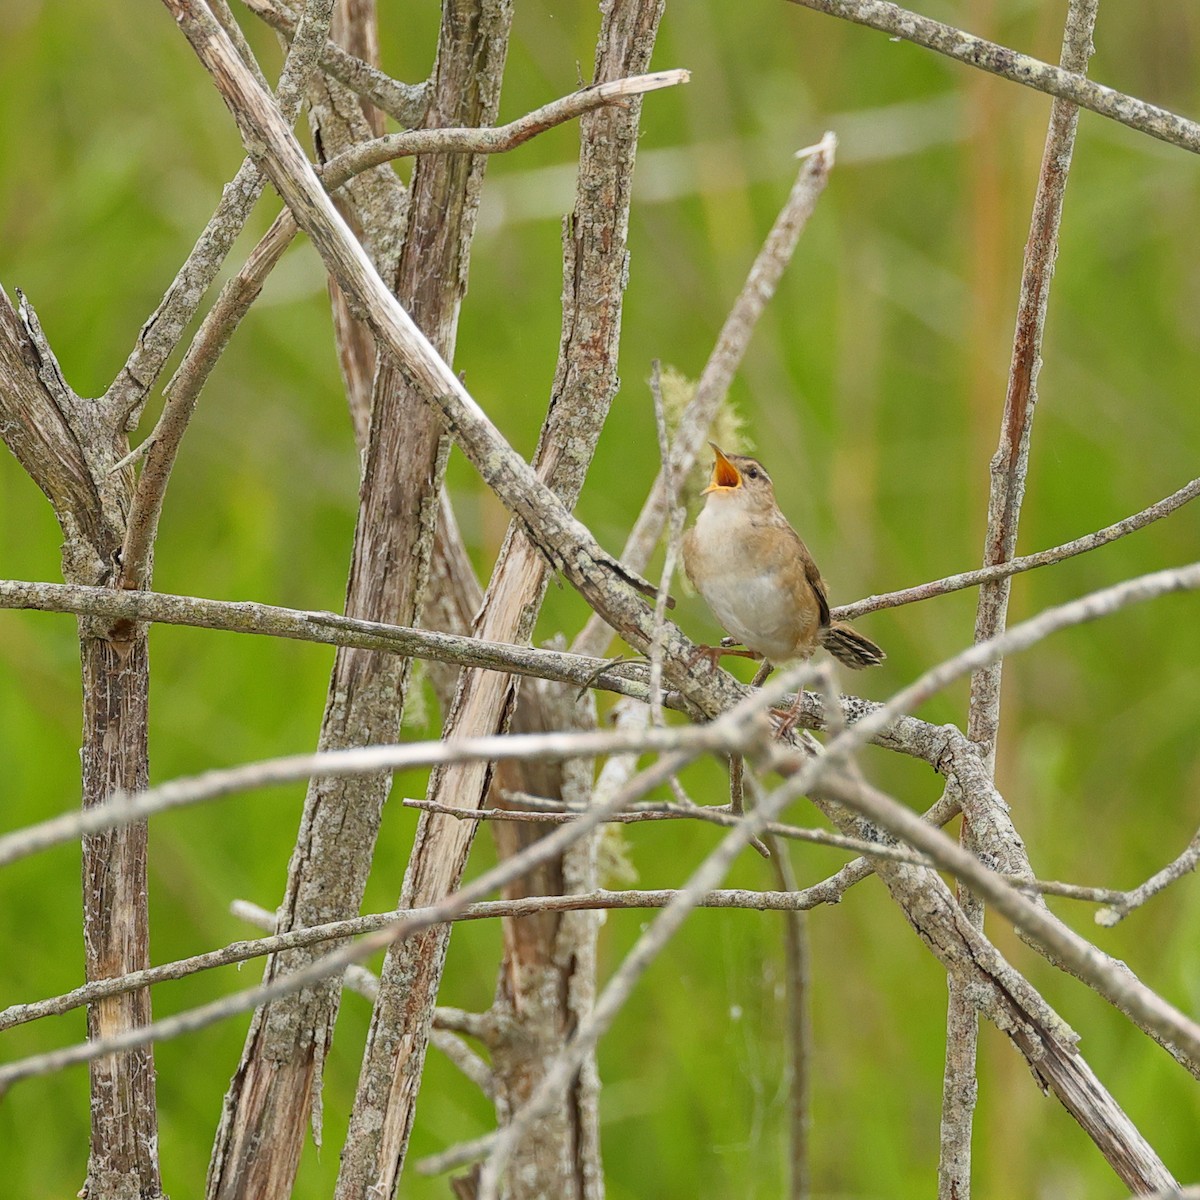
(752, 605)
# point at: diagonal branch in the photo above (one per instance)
(183, 391)
(164, 327)
(1027, 562)
(721, 366)
(404, 102)
(279, 1081)
(595, 266)
(335, 931)
(1019, 68)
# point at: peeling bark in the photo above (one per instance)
(278, 1081)
(69, 445)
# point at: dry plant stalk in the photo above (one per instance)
(1009, 467)
(278, 1081)
(585, 383)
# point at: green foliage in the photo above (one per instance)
(872, 391)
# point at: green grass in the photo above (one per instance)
(872, 391)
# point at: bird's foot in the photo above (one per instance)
(727, 647)
(788, 718)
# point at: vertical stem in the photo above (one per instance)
(1009, 467)
(595, 263)
(799, 1034)
(278, 1082)
(548, 976)
(123, 1161)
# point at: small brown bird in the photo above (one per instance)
(757, 576)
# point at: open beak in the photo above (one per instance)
(725, 476)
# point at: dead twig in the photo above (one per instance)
(1123, 903)
(1019, 68)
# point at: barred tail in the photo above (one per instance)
(850, 647)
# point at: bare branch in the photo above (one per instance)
(1002, 995)
(120, 809)
(324, 628)
(731, 726)
(357, 979)
(1010, 463)
(366, 983)
(1027, 562)
(183, 390)
(692, 812)
(164, 327)
(405, 102)
(1019, 68)
(1125, 902)
(595, 265)
(503, 137)
(1009, 468)
(1017, 638)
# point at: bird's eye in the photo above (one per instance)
(752, 473)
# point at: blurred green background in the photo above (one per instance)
(872, 389)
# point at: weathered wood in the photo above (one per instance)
(69, 445)
(278, 1081)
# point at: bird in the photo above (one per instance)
(755, 573)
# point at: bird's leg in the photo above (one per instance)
(788, 717)
(760, 676)
(726, 647)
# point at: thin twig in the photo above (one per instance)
(164, 327)
(356, 978)
(1124, 903)
(668, 571)
(405, 102)
(1009, 467)
(1108, 978)
(121, 809)
(366, 983)
(1019, 68)
(1004, 996)
(727, 728)
(501, 138)
(1069, 891)
(689, 812)
(1027, 562)
(313, 935)
(1010, 463)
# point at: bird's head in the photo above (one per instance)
(740, 479)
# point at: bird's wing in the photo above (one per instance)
(793, 553)
(818, 584)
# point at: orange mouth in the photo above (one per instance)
(725, 476)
